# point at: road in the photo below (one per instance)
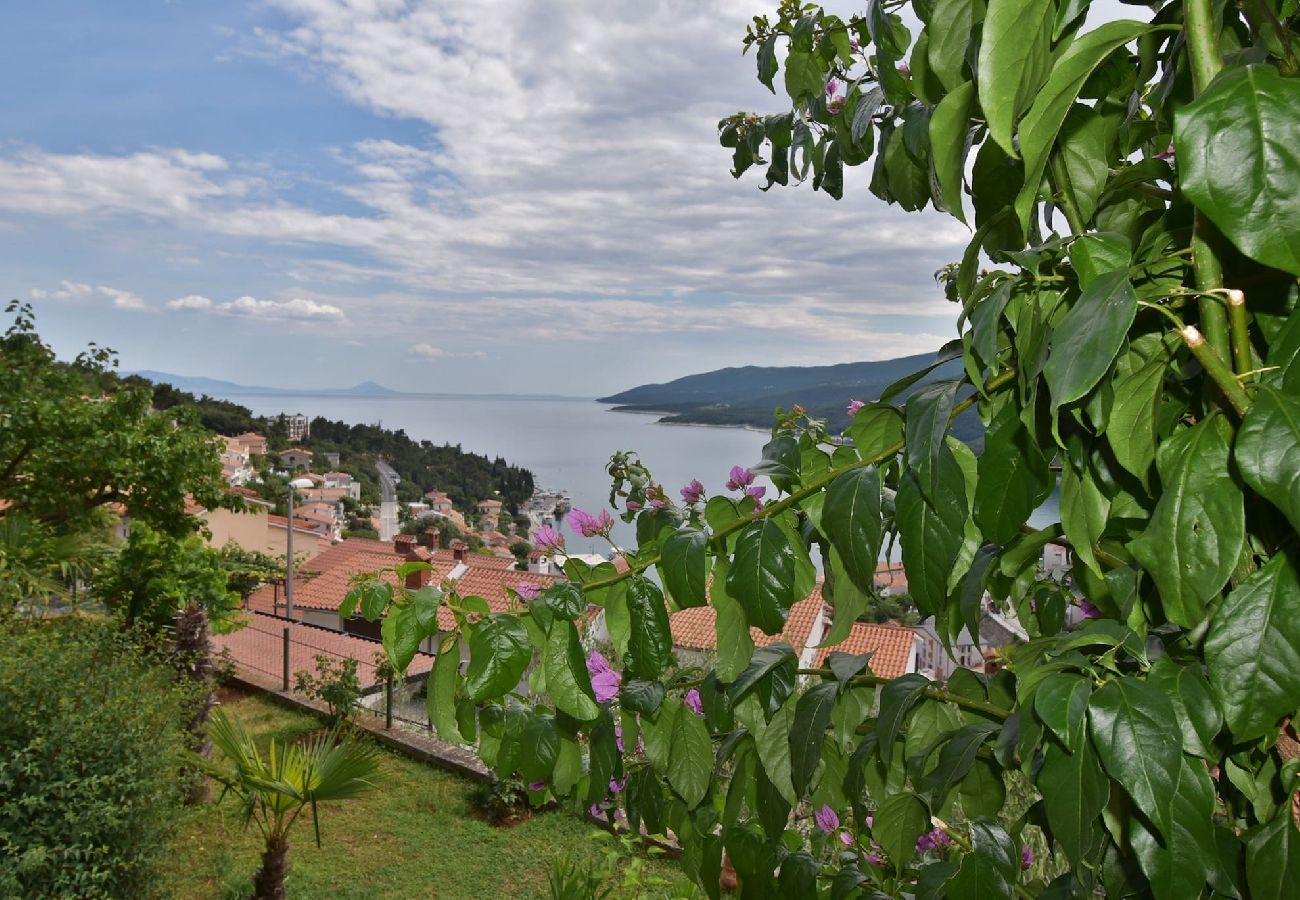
(388, 508)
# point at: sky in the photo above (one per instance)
(496, 196)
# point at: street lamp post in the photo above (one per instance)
(288, 563)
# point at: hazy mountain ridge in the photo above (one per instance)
(217, 387)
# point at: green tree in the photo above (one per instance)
(1129, 336)
(274, 791)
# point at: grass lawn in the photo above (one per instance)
(417, 834)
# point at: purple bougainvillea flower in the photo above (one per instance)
(853, 46)
(854, 406)
(587, 525)
(826, 818)
(658, 503)
(548, 539)
(618, 737)
(596, 662)
(873, 859)
(1026, 857)
(835, 105)
(1168, 154)
(537, 785)
(692, 699)
(528, 591)
(605, 681)
(756, 491)
(617, 786)
(596, 811)
(740, 478)
(831, 87)
(693, 492)
(1089, 611)
(846, 839)
(633, 506)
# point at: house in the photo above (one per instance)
(489, 509)
(808, 625)
(298, 426)
(996, 630)
(252, 443)
(332, 460)
(295, 457)
(345, 482)
(256, 528)
(890, 578)
(438, 501)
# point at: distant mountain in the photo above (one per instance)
(216, 388)
(749, 394)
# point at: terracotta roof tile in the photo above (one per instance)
(890, 647)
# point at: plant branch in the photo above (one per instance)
(1239, 328)
(1216, 368)
(933, 693)
(718, 538)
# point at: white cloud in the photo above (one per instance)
(75, 290)
(192, 302)
(298, 308)
(427, 350)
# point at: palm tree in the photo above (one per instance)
(275, 790)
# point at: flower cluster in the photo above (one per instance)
(527, 590)
(548, 539)
(693, 493)
(828, 821)
(606, 681)
(587, 525)
(934, 839)
(743, 480)
(692, 700)
(656, 496)
(854, 406)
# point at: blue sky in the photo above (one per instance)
(441, 196)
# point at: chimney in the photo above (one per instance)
(458, 548)
(417, 580)
(403, 544)
(431, 538)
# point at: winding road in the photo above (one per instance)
(388, 479)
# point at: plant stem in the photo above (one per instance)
(1216, 368)
(1002, 379)
(1061, 180)
(1242, 360)
(1202, 36)
(933, 693)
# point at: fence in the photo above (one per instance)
(281, 648)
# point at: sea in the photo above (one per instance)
(566, 442)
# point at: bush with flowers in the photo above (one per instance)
(1129, 334)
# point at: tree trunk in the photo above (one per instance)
(193, 654)
(268, 883)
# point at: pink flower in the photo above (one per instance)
(846, 839)
(605, 681)
(871, 821)
(633, 506)
(826, 818)
(616, 786)
(904, 69)
(835, 105)
(595, 811)
(757, 492)
(527, 590)
(854, 406)
(596, 662)
(1026, 857)
(740, 478)
(587, 525)
(618, 737)
(693, 492)
(537, 786)
(853, 45)
(831, 87)
(1089, 611)
(548, 539)
(873, 859)
(692, 699)
(1167, 155)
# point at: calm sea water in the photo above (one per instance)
(565, 442)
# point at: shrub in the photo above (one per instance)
(335, 684)
(91, 745)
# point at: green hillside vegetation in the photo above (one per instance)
(747, 395)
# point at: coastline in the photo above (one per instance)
(663, 413)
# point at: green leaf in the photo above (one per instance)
(1082, 144)
(1273, 858)
(401, 635)
(650, 643)
(684, 566)
(780, 462)
(1238, 150)
(1061, 702)
(565, 668)
(948, 147)
(932, 535)
(568, 767)
(1088, 337)
(1176, 867)
(642, 696)
(772, 741)
(991, 869)
(735, 643)
(1194, 539)
(798, 878)
(851, 521)
(1253, 650)
(499, 654)
(896, 699)
(1198, 715)
(1014, 478)
(565, 599)
(928, 411)
(803, 75)
(1085, 509)
(1075, 790)
(761, 664)
(1132, 427)
(899, 821)
(690, 757)
(1093, 255)
(846, 598)
(876, 428)
(441, 694)
(956, 758)
(762, 575)
(1130, 726)
(540, 743)
(767, 65)
(982, 791)
(1014, 59)
(1268, 450)
(374, 597)
(811, 716)
(950, 28)
(1038, 130)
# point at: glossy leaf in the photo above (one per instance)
(690, 756)
(1075, 791)
(1195, 536)
(948, 126)
(932, 535)
(440, 699)
(1130, 726)
(812, 715)
(1253, 650)
(684, 567)
(1267, 450)
(1014, 60)
(1061, 703)
(1176, 866)
(950, 29)
(851, 520)
(991, 869)
(1273, 859)
(875, 429)
(897, 699)
(650, 642)
(900, 820)
(761, 576)
(1088, 337)
(1239, 161)
(1014, 478)
(735, 643)
(928, 411)
(565, 667)
(1132, 427)
(499, 654)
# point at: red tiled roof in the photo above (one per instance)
(260, 646)
(891, 575)
(890, 647)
